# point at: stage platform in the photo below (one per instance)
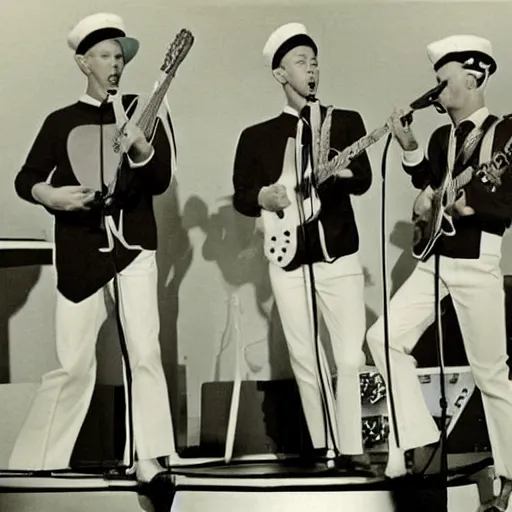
(243, 485)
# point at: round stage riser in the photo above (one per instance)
(460, 499)
(276, 501)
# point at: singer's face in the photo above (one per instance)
(300, 69)
(105, 63)
(454, 95)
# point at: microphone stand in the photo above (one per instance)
(428, 99)
(102, 200)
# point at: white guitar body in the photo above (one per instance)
(280, 230)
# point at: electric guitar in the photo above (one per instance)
(432, 215)
(146, 113)
(282, 230)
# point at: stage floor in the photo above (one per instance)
(251, 486)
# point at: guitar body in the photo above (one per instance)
(280, 230)
(431, 221)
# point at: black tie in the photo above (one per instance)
(307, 136)
(307, 142)
(461, 133)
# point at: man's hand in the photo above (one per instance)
(134, 143)
(344, 173)
(68, 198)
(403, 134)
(273, 198)
(460, 207)
(423, 203)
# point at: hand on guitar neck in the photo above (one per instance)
(131, 138)
(274, 198)
(133, 142)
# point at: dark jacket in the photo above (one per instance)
(259, 163)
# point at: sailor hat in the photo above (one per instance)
(100, 27)
(473, 52)
(286, 38)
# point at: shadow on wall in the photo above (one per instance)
(233, 242)
(174, 258)
(15, 286)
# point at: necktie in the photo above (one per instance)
(307, 137)
(306, 143)
(461, 134)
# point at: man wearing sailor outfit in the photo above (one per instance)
(469, 260)
(71, 159)
(328, 262)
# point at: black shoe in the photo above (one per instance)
(160, 490)
(161, 483)
(313, 456)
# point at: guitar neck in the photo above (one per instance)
(147, 119)
(175, 56)
(462, 179)
(343, 159)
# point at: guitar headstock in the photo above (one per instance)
(177, 51)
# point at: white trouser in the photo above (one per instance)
(50, 431)
(340, 297)
(476, 289)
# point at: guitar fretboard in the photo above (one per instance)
(343, 159)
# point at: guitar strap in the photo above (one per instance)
(486, 147)
(469, 147)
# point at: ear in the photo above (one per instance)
(471, 81)
(280, 75)
(82, 64)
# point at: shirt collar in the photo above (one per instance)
(477, 117)
(86, 98)
(290, 110)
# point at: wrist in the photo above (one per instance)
(260, 195)
(409, 145)
(42, 193)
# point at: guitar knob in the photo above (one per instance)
(274, 239)
(272, 250)
(283, 249)
(286, 233)
(279, 258)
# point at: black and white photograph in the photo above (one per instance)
(255, 255)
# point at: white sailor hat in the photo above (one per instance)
(473, 52)
(99, 27)
(284, 39)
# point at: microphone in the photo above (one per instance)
(426, 100)
(429, 97)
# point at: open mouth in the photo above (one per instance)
(312, 85)
(113, 79)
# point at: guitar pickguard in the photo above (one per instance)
(280, 231)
